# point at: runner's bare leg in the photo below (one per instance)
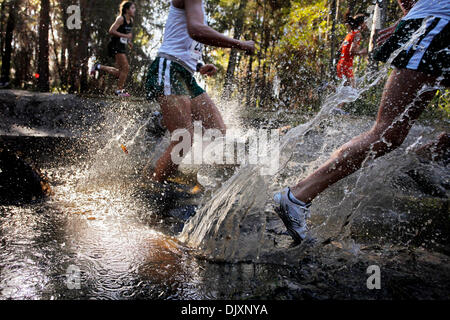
(204, 110)
(124, 68)
(387, 134)
(176, 111)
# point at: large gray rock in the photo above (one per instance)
(19, 181)
(46, 113)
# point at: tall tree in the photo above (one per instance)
(25, 46)
(229, 77)
(43, 67)
(83, 44)
(2, 18)
(333, 34)
(64, 43)
(8, 48)
(377, 25)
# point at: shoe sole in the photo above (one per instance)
(292, 233)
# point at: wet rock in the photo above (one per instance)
(179, 216)
(67, 113)
(183, 213)
(19, 181)
(436, 150)
(417, 221)
(428, 182)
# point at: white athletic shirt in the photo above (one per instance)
(177, 43)
(427, 8)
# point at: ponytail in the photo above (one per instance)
(356, 21)
(124, 6)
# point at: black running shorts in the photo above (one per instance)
(425, 49)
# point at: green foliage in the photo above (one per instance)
(441, 103)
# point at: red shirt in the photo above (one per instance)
(346, 55)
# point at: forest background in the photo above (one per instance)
(294, 66)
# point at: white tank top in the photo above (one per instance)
(426, 8)
(177, 43)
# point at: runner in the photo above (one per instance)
(350, 47)
(117, 47)
(426, 61)
(170, 79)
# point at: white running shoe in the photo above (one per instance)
(293, 215)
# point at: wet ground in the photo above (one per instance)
(124, 246)
(103, 226)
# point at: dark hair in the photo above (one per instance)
(356, 21)
(124, 6)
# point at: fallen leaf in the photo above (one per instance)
(124, 149)
(196, 189)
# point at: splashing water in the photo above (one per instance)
(101, 220)
(239, 224)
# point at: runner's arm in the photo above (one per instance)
(113, 30)
(208, 70)
(356, 45)
(207, 35)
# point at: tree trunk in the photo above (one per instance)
(333, 35)
(229, 78)
(55, 52)
(377, 25)
(83, 45)
(327, 35)
(63, 62)
(249, 81)
(73, 78)
(64, 45)
(2, 18)
(338, 9)
(71, 41)
(43, 68)
(6, 54)
(249, 72)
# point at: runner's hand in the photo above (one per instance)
(248, 46)
(385, 34)
(130, 44)
(129, 36)
(208, 70)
